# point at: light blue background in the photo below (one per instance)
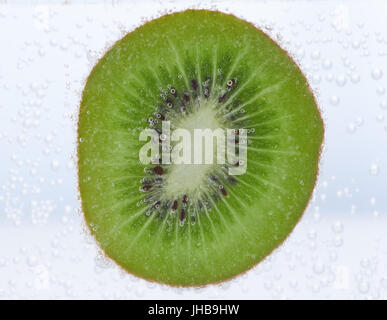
(339, 249)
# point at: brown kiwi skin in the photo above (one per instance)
(306, 205)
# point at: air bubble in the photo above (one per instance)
(341, 80)
(355, 78)
(3, 262)
(312, 234)
(374, 169)
(381, 90)
(316, 55)
(102, 262)
(338, 241)
(329, 77)
(316, 79)
(337, 227)
(355, 44)
(364, 287)
(327, 64)
(318, 268)
(334, 100)
(383, 282)
(300, 53)
(351, 128)
(55, 164)
(32, 261)
(359, 121)
(377, 74)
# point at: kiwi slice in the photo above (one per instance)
(191, 225)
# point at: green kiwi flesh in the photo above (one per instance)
(196, 67)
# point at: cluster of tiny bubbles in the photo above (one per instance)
(365, 277)
(102, 263)
(92, 56)
(345, 192)
(24, 182)
(41, 210)
(354, 125)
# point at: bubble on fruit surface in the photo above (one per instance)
(92, 56)
(102, 262)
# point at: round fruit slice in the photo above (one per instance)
(194, 224)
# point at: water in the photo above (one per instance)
(337, 251)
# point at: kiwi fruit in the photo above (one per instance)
(192, 225)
